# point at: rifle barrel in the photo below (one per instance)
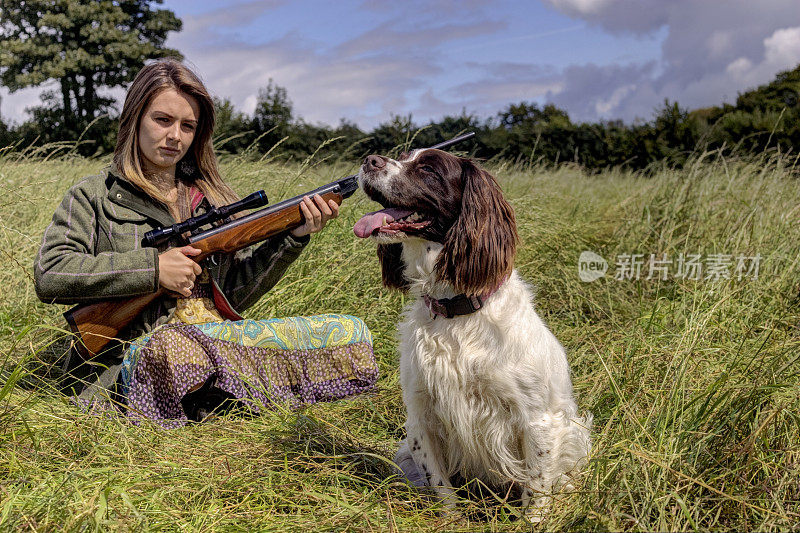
(453, 141)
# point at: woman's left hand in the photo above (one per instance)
(317, 213)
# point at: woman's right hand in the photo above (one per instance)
(177, 271)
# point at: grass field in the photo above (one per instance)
(693, 383)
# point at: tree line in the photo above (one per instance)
(87, 46)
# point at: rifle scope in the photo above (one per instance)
(162, 235)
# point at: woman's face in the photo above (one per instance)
(166, 130)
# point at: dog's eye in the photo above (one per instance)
(427, 168)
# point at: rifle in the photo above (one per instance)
(96, 325)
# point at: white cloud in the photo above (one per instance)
(619, 16)
(719, 42)
(739, 68)
(491, 88)
(783, 48)
(383, 70)
(13, 105)
(711, 52)
(591, 92)
(781, 51)
(239, 14)
(396, 40)
(605, 107)
(583, 7)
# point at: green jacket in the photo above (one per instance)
(92, 251)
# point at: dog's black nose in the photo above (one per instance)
(375, 162)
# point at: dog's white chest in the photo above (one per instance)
(454, 380)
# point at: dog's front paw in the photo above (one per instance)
(410, 470)
(536, 506)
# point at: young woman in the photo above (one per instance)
(185, 358)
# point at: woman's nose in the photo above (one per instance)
(174, 132)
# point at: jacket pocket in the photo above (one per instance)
(123, 228)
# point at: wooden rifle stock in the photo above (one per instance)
(96, 325)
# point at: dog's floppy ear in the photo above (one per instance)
(390, 256)
(479, 248)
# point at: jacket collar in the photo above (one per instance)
(124, 193)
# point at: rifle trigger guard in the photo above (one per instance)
(213, 259)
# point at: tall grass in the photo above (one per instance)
(693, 383)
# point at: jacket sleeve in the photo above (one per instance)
(256, 271)
(66, 269)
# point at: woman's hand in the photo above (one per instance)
(176, 271)
(317, 213)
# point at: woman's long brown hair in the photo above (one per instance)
(150, 81)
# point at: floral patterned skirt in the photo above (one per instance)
(293, 361)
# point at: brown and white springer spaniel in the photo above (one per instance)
(485, 383)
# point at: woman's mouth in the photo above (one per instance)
(170, 151)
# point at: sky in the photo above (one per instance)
(367, 61)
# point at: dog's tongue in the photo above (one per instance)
(372, 221)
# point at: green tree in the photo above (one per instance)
(272, 116)
(530, 115)
(448, 127)
(84, 46)
(392, 137)
(782, 92)
(233, 131)
(5, 137)
(675, 133)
